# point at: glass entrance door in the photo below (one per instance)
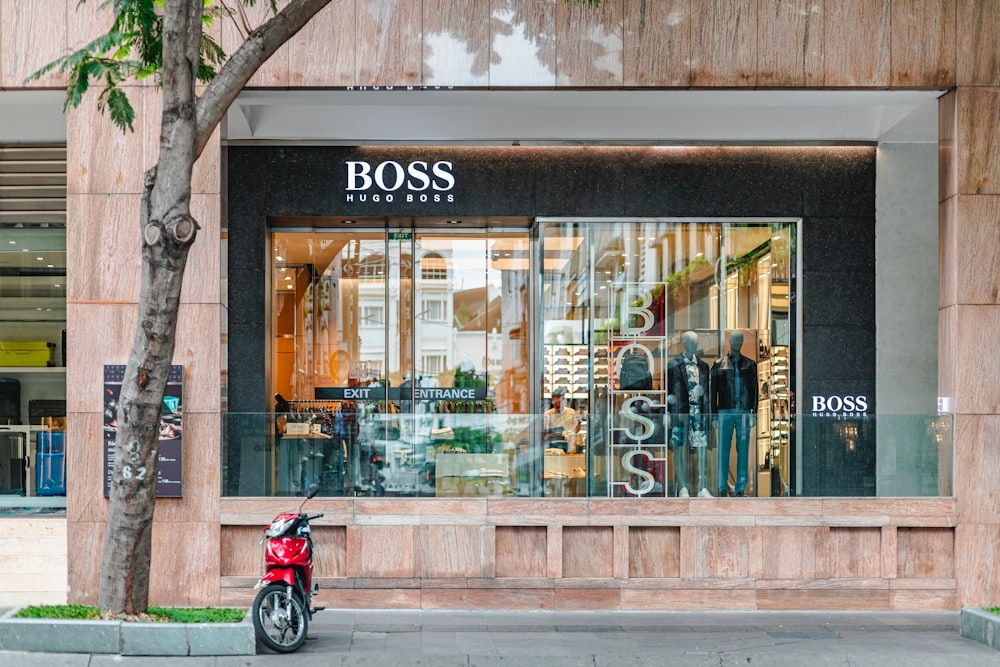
(400, 358)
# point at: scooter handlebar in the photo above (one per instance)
(314, 516)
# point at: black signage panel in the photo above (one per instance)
(168, 475)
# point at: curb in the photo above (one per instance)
(52, 635)
(980, 625)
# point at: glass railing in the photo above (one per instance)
(373, 453)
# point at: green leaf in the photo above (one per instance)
(116, 102)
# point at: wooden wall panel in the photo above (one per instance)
(654, 552)
(723, 43)
(947, 150)
(522, 43)
(972, 229)
(588, 551)
(790, 42)
(856, 43)
(388, 44)
(925, 552)
(978, 55)
(520, 551)
(456, 43)
(589, 45)
(323, 52)
(977, 550)
(923, 43)
(657, 43)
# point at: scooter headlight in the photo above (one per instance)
(278, 527)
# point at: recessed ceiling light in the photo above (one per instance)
(347, 222)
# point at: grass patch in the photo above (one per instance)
(153, 614)
(993, 610)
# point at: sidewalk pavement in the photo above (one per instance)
(398, 638)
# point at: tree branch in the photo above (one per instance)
(258, 47)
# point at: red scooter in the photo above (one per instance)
(282, 609)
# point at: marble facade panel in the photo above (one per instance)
(975, 381)
(688, 599)
(587, 552)
(589, 45)
(654, 552)
(240, 550)
(233, 31)
(27, 46)
(977, 141)
(790, 553)
(387, 551)
(971, 229)
(86, 539)
(977, 550)
(925, 552)
(456, 43)
(103, 230)
(721, 552)
(187, 577)
(977, 468)
(334, 29)
(723, 43)
(855, 552)
(452, 551)
(96, 334)
(388, 44)
(522, 43)
(102, 159)
(923, 43)
(657, 43)
(978, 59)
(856, 43)
(520, 551)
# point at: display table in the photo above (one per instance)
(565, 475)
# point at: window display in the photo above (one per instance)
(402, 358)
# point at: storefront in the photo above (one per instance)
(495, 322)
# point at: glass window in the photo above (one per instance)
(571, 358)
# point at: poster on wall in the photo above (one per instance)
(168, 477)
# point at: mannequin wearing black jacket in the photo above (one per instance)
(687, 404)
(734, 401)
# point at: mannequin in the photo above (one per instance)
(734, 402)
(687, 403)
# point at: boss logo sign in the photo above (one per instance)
(391, 181)
(855, 406)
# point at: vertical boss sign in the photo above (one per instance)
(637, 319)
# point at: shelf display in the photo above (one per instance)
(566, 367)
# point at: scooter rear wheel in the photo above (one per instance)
(279, 618)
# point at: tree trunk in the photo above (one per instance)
(168, 230)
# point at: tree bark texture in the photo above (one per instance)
(167, 230)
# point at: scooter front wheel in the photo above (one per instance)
(279, 618)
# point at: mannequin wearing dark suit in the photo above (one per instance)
(687, 404)
(734, 402)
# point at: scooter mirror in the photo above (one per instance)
(312, 490)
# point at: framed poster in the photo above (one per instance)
(168, 476)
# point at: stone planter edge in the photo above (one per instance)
(51, 635)
(979, 625)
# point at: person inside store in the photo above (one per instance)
(560, 424)
(734, 404)
(687, 405)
